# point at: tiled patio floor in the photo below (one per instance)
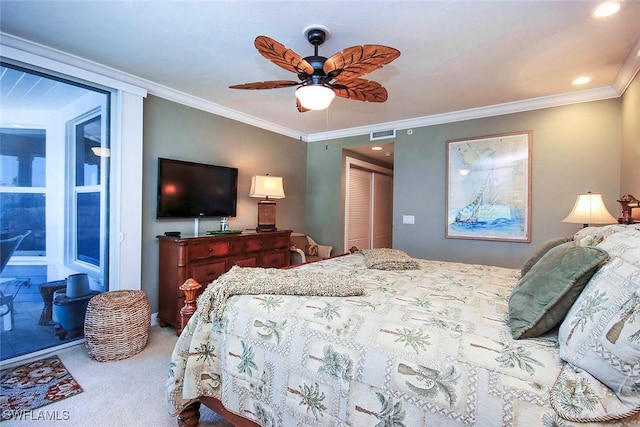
(26, 335)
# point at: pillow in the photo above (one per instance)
(542, 298)
(601, 333)
(389, 259)
(594, 235)
(625, 245)
(312, 250)
(539, 253)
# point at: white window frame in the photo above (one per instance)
(72, 191)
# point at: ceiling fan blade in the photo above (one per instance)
(282, 56)
(271, 84)
(361, 90)
(300, 107)
(356, 61)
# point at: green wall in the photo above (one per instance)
(576, 148)
(175, 131)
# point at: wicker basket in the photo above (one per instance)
(117, 324)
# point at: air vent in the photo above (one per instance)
(382, 134)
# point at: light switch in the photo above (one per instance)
(408, 219)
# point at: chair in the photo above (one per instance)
(304, 249)
(9, 242)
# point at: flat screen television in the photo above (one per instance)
(195, 190)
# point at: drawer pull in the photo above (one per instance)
(210, 249)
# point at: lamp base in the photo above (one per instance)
(266, 215)
(262, 228)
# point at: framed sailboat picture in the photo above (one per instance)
(489, 187)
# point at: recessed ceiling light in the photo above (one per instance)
(605, 9)
(376, 148)
(581, 80)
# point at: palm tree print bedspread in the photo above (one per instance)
(421, 347)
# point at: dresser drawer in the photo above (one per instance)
(275, 259)
(198, 251)
(243, 261)
(205, 273)
(241, 246)
(275, 242)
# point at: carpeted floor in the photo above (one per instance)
(123, 393)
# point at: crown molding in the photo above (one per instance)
(629, 69)
(217, 109)
(596, 94)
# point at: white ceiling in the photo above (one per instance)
(458, 57)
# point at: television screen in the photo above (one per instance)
(193, 190)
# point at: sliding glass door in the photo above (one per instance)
(54, 175)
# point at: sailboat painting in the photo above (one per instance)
(489, 187)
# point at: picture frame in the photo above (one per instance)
(488, 187)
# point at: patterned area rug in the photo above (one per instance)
(33, 385)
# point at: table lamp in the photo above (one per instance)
(269, 187)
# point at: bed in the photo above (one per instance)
(428, 343)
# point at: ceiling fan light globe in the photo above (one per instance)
(315, 97)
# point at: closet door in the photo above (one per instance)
(368, 206)
(359, 209)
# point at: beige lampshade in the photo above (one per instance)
(267, 186)
(590, 209)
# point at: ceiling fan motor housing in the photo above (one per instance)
(316, 36)
(317, 62)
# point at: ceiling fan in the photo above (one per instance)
(321, 79)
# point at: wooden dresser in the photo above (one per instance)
(206, 258)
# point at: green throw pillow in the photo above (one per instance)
(542, 298)
(541, 251)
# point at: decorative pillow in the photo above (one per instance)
(601, 333)
(312, 250)
(389, 259)
(594, 235)
(624, 244)
(543, 296)
(539, 253)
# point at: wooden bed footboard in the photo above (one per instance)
(190, 416)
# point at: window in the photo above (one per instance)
(88, 207)
(22, 186)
